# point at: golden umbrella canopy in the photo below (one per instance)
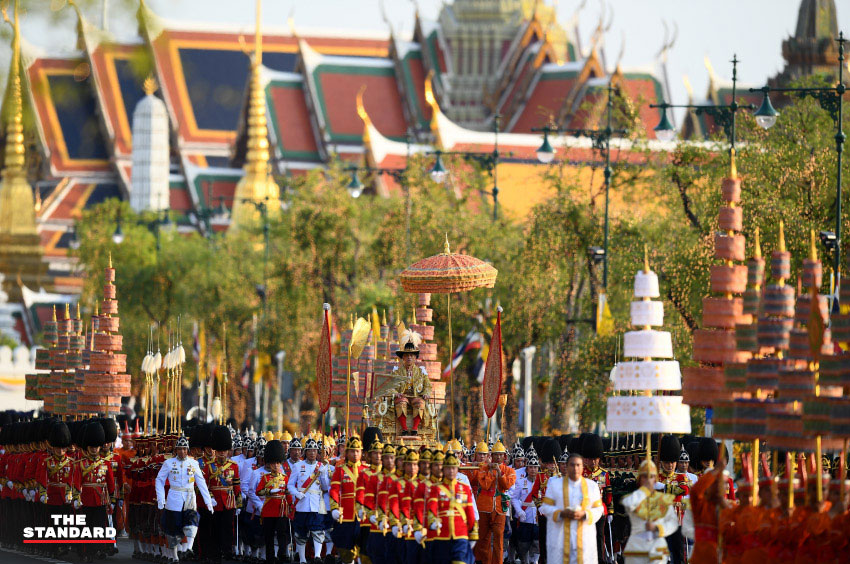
(448, 273)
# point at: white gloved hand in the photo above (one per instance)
(274, 490)
(210, 506)
(404, 529)
(359, 514)
(160, 504)
(9, 484)
(418, 536)
(120, 503)
(373, 519)
(610, 518)
(300, 495)
(335, 514)
(472, 544)
(238, 511)
(395, 530)
(43, 498)
(77, 504)
(435, 526)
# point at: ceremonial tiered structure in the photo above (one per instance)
(78, 375)
(373, 380)
(715, 344)
(645, 412)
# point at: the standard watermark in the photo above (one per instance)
(69, 529)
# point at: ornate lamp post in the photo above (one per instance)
(489, 161)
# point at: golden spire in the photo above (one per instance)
(781, 236)
(757, 250)
(78, 311)
(257, 185)
(54, 312)
(384, 318)
(813, 251)
(110, 260)
(446, 250)
(67, 310)
(645, 259)
(17, 207)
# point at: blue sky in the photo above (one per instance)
(754, 29)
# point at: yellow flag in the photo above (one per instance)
(604, 319)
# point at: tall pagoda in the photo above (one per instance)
(20, 245)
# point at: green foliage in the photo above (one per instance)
(328, 247)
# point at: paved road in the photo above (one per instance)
(125, 550)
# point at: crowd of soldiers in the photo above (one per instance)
(210, 494)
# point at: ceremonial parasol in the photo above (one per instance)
(448, 273)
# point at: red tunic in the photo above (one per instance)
(223, 483)
(273, 502)
(345, 492)
(450, 504)
(603, 480)
(369, 480)
(57, 476)
(95, 481)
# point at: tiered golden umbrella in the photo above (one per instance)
(448, 273)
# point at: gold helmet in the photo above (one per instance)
(412, 456)
(425, 455)
(268, 435)
(388, 449)
(354, 443)
(377, 446)
(482, 448)
(454, 445)
(438, 457)
(451, 460)
(499, 447)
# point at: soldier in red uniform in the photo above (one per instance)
(222, 477)
(412, 550)
(345, 496)
(379, 544)
(271, 489)
(451, 516)
(56, 475)
(95, 483)
(368, 480)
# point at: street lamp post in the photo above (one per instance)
(723, 115)
(163, 220)
(601, 139)
(831, 99)
(489, 161)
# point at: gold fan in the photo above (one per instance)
(359, 336)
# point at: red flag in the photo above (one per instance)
(493, 370)
(323, 364)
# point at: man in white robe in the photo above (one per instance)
(572, 506)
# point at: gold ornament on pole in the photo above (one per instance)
(359, 336)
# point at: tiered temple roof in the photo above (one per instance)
(83, 104)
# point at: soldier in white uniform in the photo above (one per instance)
(306, 485)
(524, 500)
(253, 531)
(180, 513)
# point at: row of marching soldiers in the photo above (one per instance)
(217, 494)
(48, 467)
